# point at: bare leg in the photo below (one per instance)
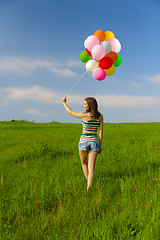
(83, 156)
(91, 166)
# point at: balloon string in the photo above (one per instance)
(76, 83)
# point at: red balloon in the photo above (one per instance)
(89, 53)
(105, 63)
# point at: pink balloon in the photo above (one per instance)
(99, 74)
(115, 44)
(98, 52)
(90, 42)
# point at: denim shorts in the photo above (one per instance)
(89, 146)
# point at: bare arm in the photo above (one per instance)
(72, 113)
(101, 135)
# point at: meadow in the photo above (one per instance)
(43, 190)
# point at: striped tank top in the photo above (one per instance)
(90, 128)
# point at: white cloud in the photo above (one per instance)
(34, 112)
(12, 64)
(23, 66)
(153, 79)
(72, 63)
(127, 101)
(38, 93)
(63, 72)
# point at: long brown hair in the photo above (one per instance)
(93, 107)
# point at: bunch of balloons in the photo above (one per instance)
(101, 54)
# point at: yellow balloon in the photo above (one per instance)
(110, 71)
(109, 35)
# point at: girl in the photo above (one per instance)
(89, 145)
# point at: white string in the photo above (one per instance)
(76, 83)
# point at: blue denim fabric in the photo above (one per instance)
(89, 146)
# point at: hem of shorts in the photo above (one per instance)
(97, 150)
(83, 149)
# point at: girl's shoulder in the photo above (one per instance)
(86, 117)
(89, 116)
(100, 118)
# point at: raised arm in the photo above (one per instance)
(72, 113)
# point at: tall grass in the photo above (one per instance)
(43, 191)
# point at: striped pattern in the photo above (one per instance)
(90, 128)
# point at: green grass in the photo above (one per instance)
(43, 190)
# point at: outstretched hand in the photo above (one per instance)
(64, 99)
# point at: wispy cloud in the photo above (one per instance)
(72, 63)
(39, 93)
(35, 112)
(23, 66)
(34, 93)
(63, 72)
(128, 101)
(153, 79)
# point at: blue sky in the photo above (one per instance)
(40, 44)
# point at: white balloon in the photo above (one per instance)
(91, 65)
(107, 46)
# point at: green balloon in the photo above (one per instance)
(84, 56)
(118, 62)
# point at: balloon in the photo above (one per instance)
(101, 54)
(99, 74)
(100, 34)
(98, 52)
(108, 35)
(105, 63)
(89, 53)
(107, 46)
(110, 71)
(91, 41)
(112, 55)
(84, 56)
(115, 44)
(118, 62)
(91, 65)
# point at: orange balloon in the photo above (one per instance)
(100, 34)
(112, 55)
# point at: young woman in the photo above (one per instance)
(89, 146)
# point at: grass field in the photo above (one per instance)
(43, 190)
